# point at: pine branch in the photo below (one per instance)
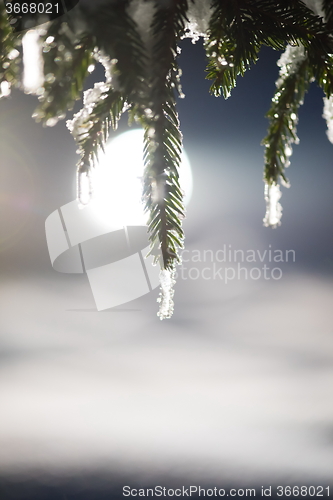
(91, 127)
(240, 27)
(67, 57)
(288, 21)
(163, 140)
(116, 34)
(121, 51)
(231, 46)
(283, 117)
(321, 63)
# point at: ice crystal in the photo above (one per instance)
(328, 115)
(165, 299)
(33, 76)
(105, 60)
(273, 207)
(51, 122)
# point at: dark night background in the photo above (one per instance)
(234, 390)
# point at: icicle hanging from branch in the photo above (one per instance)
(165, 299)
(33, 75)
(84, 185)
(273, 207)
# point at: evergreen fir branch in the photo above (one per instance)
(163, 140)
(117, 35)
(321, 63)
(288, 21)
(230, 46)
(9, 43)
(92, 132)
(240, 27)
(67, 57)
(283, 117)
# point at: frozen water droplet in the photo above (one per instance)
(51, 122)
(13, 54)
(50, 78)
(288, 150)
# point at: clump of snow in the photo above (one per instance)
(198, 14)
(273, 207)
(328, 115)
(80, 125)
(108, 64)
(33, 64)
(167, 281)
(289, 62)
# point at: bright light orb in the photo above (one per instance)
(117, 179)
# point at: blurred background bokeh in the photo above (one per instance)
(235, 389)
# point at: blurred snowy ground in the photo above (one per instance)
(237, 386)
